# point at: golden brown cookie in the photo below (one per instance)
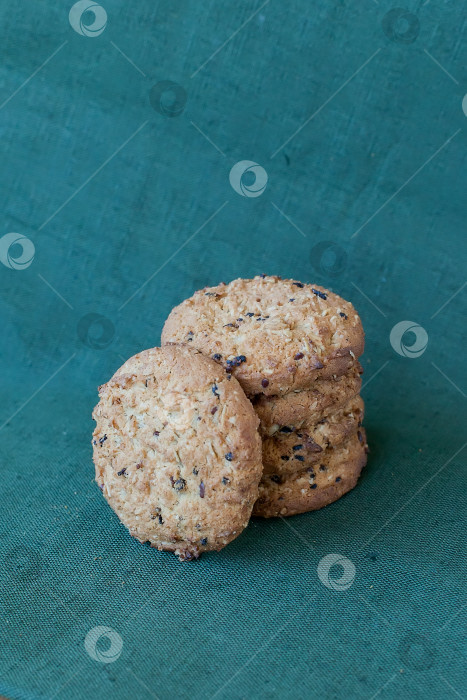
(300, 407)
(177, 451)
(290, 451)
(273, 335)
(316, 486)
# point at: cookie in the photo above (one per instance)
(273, 335)
(315, 487)
(177, 451)
(300, 407)
(290, 451)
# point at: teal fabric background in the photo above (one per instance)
(354, 111)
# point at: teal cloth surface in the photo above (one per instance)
(119, 128)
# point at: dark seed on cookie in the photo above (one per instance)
(240, 319)
(319, 294)
(299, 458)
(102, 440)
(216, 356)
(275, 478)
(299, 284)
(225, 480)
(213, 410)
(311, 472)
(121, 472)
(139, 465)
(360, 436)
(298, 356)
(214, 391)
(250, 314)
(161, 521)
(195, 471)
(210, 294)
(322, 468)
(313, 486)
(187, 556)
(286, 429)
(292, 299)
(236, 362)
(94, 442)
(285, 458)
(201, 490)
(204, 541)
(262, 275)
(179, 484)
(338, 478)
(297, 447)
(156, 433)
(341, 313)
(265, 383)
(229, 456)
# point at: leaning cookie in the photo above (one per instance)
(290, 451)
(315, 487)
(274, 335)
(177, 451)
(302, 407)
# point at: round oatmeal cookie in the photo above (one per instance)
(316, 486)
(274, 335)
(177, 451)
(290, 451)
(310, 405)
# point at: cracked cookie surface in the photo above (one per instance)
(177, 451)
(275, 336)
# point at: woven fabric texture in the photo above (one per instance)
(150, 149)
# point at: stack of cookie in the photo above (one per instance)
(294, 349)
